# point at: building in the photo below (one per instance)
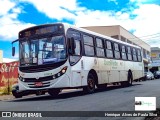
(120, 33)
(1, 56)
(155, 59)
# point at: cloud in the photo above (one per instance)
(59, 9)
(5, 6)
(147, 20)
(7, 60)
(10, 25)
(142, 19)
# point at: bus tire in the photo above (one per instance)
(16, 94)
(124, 84)
(130, 78)
(102, 86)
(40, 93)
(90, 88)
(54, 92)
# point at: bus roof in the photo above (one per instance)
(99, 35)
(84, 30)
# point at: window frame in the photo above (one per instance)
(129, 53)
(109, 49)
(88, 44)
(134, 54)
(100, 47)
(123, 52)
(81, 48)
(117, 50)
(139, 55)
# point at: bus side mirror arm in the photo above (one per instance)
(72, 45)
(13, 48)
(13, 51)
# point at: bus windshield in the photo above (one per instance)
(42, 51)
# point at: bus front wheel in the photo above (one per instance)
(90, 88)
(16, 94)
(54, 92)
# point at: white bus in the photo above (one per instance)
(57, 56)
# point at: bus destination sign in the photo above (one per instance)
(40, 30)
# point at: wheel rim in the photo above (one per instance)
(91, 84)
(130, 80)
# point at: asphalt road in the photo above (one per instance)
(114, 98)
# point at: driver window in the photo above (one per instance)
(77, 38)
(77, 49)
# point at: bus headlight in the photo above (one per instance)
(21, 78)
(64, 70)
(60, 73)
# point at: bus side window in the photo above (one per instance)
(109, 51)
(116, 51)
(129, 54)
(134, 54)
(99, 47)
(88, 45)
(123, 51)
(139, 55)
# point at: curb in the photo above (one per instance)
(11, 97)
(6, 97)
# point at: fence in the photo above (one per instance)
(8, 76)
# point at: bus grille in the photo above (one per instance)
(38, 80)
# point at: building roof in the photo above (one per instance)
(155, 49)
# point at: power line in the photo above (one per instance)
(150, 35)
(152, 38)
(143, 37)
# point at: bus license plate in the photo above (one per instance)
(38, 84)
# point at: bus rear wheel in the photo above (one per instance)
(54, 92)
(102, 86)
(90, 88)
(130, 78)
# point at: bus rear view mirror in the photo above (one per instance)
(13, 51)
(72, 46)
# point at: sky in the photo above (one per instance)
(140, 17)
